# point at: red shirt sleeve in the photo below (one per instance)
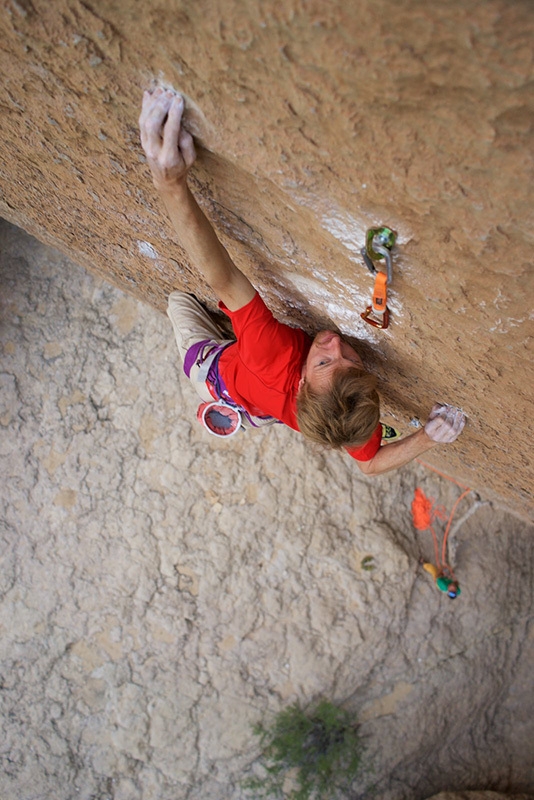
(369, 450)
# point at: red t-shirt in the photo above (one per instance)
(262, 370)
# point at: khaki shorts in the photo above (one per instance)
(191, 324)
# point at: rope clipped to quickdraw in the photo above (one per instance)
(424, 514)
(378, 245)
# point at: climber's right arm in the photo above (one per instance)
(443, 426)
(170, 152)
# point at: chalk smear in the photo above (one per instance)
(146, 249)
(343, 311)
(347, 230)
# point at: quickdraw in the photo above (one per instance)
(378, 244)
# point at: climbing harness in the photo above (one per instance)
(223, 416)
(378, 245)
(424, 514)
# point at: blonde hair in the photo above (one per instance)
(346, 415)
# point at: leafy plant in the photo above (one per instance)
(321, 747)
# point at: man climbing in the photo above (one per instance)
(272, 372)
(450, 586)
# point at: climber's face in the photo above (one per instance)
(329, 352)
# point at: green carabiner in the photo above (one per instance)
(384, 236)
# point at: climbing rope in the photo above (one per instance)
(424, 514)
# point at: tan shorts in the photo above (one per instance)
(191, 324)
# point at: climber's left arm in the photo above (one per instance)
(443, 426)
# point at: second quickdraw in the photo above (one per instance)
(379, 243)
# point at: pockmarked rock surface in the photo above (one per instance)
(317, 120)
(161, 591)
(480, 796)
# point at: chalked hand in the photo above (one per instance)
(445, 423)
(168, 146)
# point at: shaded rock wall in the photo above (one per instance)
(479, 796)
(317, 120)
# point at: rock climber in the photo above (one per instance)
(270, 371)
(450, 586)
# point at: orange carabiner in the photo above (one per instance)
(379, 305)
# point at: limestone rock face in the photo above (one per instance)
(317, 121)
(162, 591)
(480, 796)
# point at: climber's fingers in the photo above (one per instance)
(437, 408)
(445, 423)
(153, 114)
(172, 133)
(169, 148)
(187, 147)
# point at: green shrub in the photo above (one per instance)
(321, 745)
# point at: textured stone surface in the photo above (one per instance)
(480, 796)
(160, 592)
(318, 120)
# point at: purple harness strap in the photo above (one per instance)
(197, 354)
